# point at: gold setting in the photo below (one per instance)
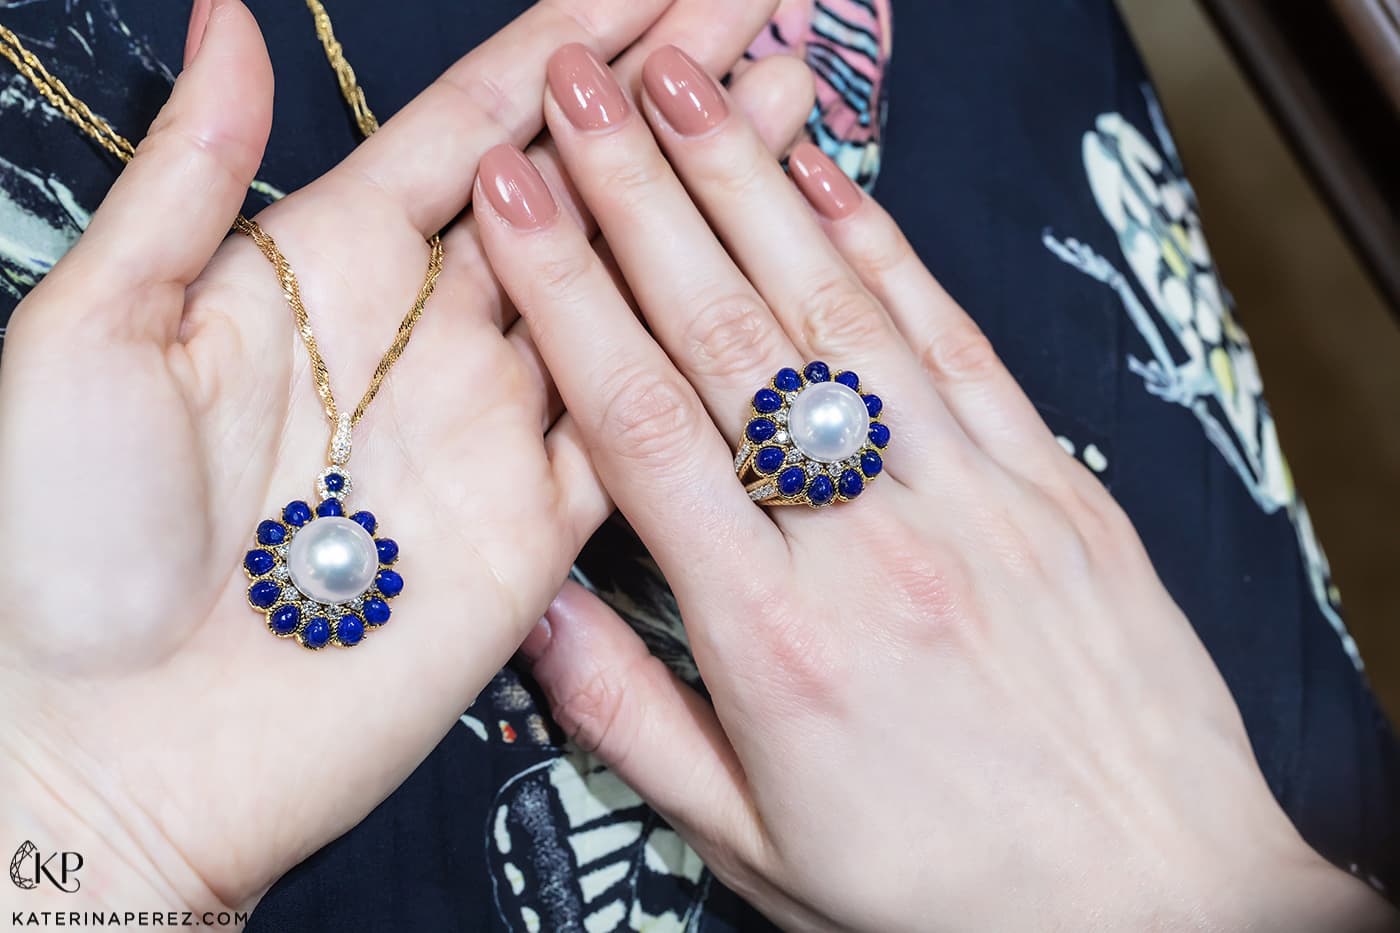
(763, 487)
(307, 607)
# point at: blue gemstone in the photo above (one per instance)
(376, 611)
(766, 400)
(879, 434)
(316, 633)
(791, 481)
(296, 513)
(285, 620)
(817, 372)
(871, 463)
(851, 484)
(787, 380)
(822, 490)
(259, 562)
(349, 630)
(263, 593)
(761, 429)
(330, 507)
(271, 533)
(874, 405)
(769, 459)
(849, 379)
(388, 550)
(335, 482)
(365, 520)
(389, 583)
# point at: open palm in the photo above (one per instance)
(155, 405)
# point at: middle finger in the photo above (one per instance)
(703, 310)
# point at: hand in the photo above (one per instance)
(155, 404)
(963, 701)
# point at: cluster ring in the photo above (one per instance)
(812, 438)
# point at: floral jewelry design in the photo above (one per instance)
(323, 578)
(811, 439)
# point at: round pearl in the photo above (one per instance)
(828, 421)
(332, 560)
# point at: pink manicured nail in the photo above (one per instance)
(688, 97)
(586, 90)
(822, 182)
(199, 21)
(537, 642)
(515, 188)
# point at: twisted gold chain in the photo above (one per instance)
(79, 114)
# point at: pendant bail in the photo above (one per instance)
(339, 450)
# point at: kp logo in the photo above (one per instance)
(28, 868)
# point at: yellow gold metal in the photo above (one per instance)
(101, 132)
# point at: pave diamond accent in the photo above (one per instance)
(742, 455)
(763, 492)
(339, 450)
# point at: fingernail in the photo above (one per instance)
(824, 185)
(515, 188)
(585, 88)
(688, 97)
(535, 644)
(199, 22)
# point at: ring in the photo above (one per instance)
(811, 439)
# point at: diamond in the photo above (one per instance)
(781, 437)
(340, 440)
(780, 417)
(762, 492)
(742, 455)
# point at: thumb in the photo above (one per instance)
(617, 701)
(174, 203)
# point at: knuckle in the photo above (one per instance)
(962, 354)
(839, 315)
(732, 179)
(481, 92)
(649, 417)
(632, 180)
(939, 600)
(881, 252)
(589, 714)
(173, 145)
(727, 335)
(580, 14)
(559, 277)
(803, 666)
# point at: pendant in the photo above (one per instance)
(319, 576)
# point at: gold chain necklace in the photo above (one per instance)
(316, 575)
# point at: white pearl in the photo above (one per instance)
(332, 560)
(828, 421)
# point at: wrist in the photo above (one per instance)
(87, 850)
